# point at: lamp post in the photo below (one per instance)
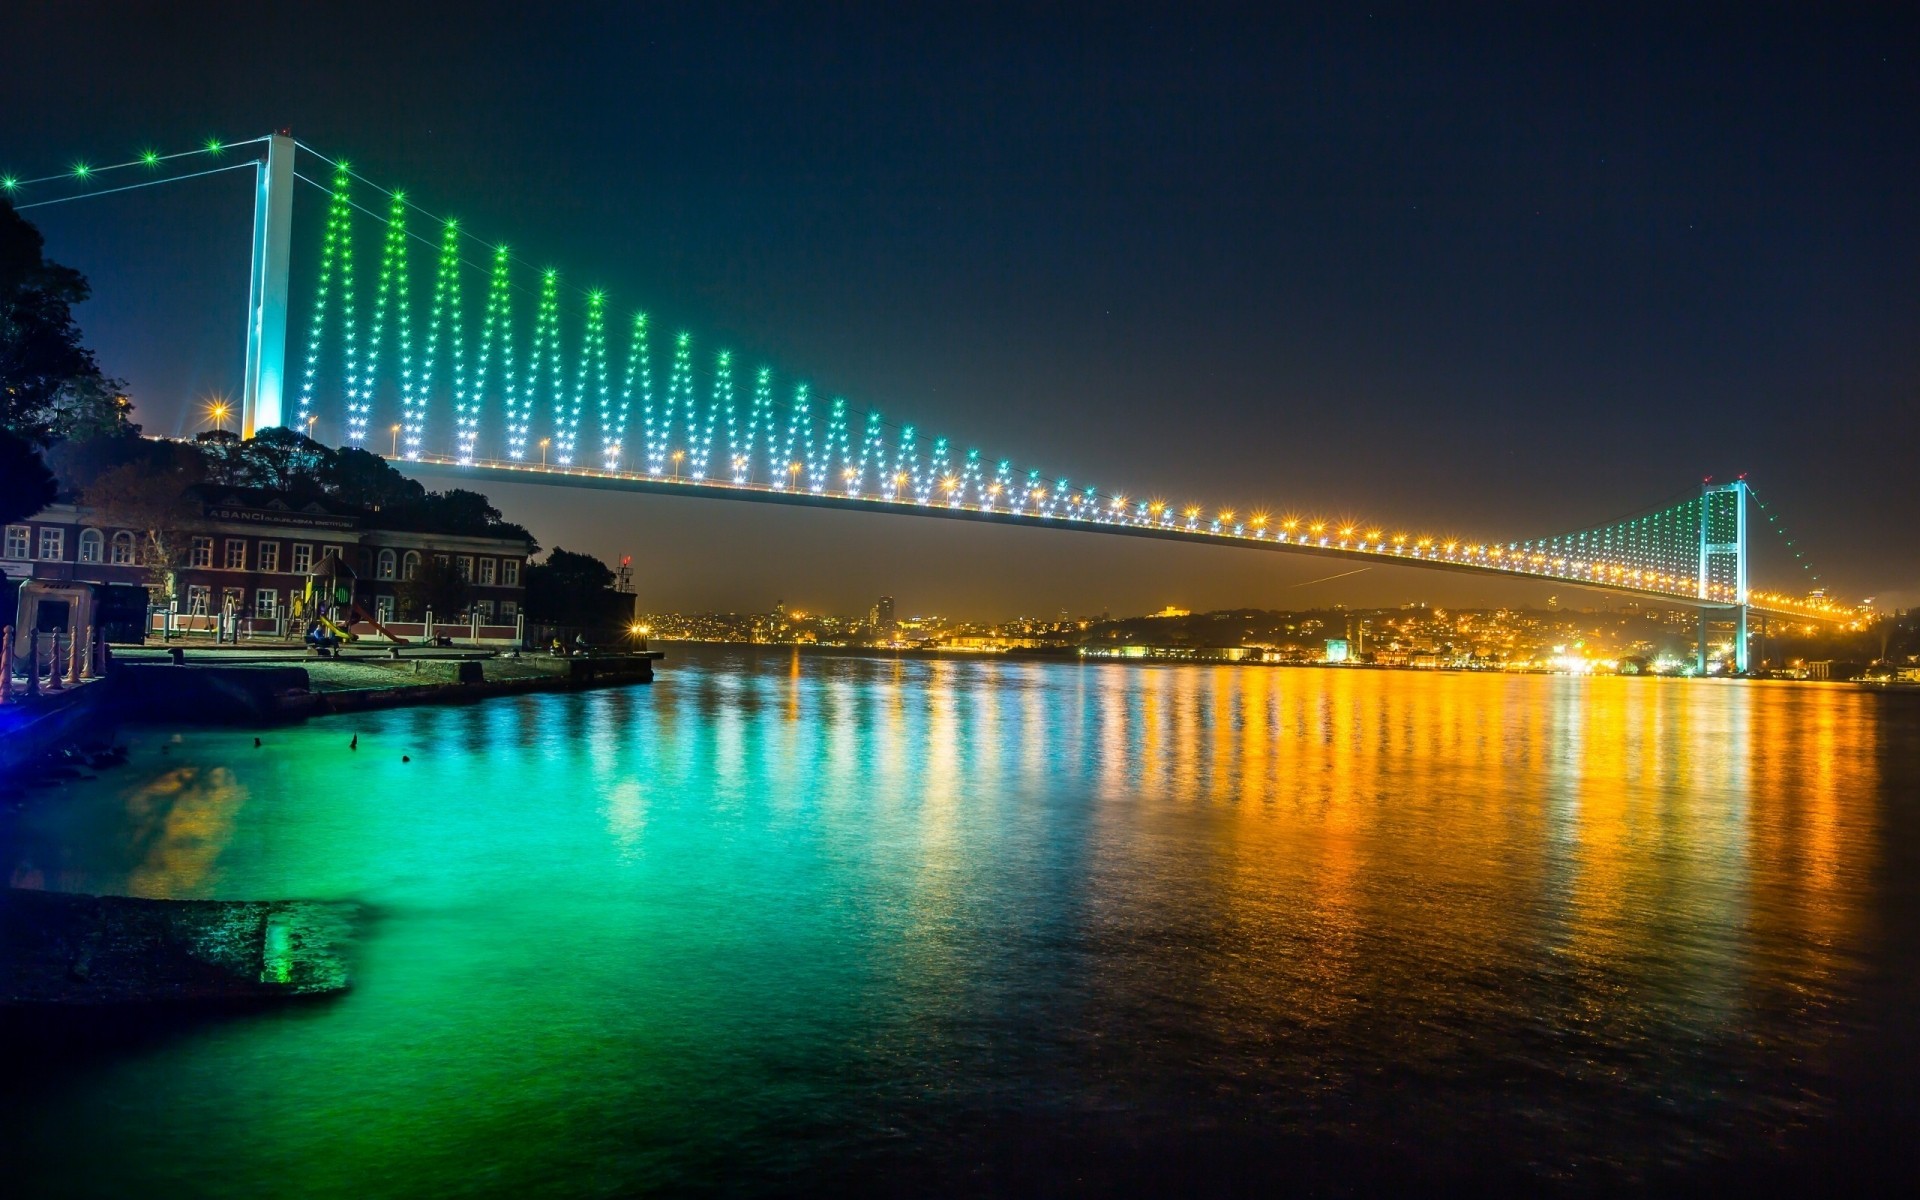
(311, 422)
(217, 411)
(395, 452)
(677, 456)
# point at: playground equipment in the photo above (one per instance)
(328, 609)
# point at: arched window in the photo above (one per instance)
(385, 570)
(91, 544)
(123, 549)
(410, 565)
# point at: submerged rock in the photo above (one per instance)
(65, 949)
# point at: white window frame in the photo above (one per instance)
(201, 553)
(19, 542)
(123, 540)
(269, 556)
(52, 537)
(303, 550)
(266, 604)
(383, 609)
(488, 571)
(386, 565)
(464, 564)
(239, 544)
(93, 546)
(410, 565)
(199, 599)
(510, 572)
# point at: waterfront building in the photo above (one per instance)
(248, 554)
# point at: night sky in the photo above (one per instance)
(1500, 272)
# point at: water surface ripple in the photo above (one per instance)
(807, 922)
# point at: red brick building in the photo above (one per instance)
(254, 552)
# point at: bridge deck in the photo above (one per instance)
(441, 467)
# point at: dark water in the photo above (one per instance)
(816, 923)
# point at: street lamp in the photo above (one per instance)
(395, 452)
(311, 422)
(677, 456)
(544, 443)
(217, 411)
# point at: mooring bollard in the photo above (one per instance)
(53, 664)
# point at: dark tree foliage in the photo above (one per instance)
(77, 463)
(573, 589)
(92, 406)
(41, 357)
(435, 585)
(26, 485)
(152, 492)
(460, 511)
(363, 479)
(301, 470)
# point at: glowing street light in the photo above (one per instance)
(544, 443)
(217, 411)
(395, 452)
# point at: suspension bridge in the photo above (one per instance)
(466, 361)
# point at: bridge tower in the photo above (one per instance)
(1723, 560)
(266, 375)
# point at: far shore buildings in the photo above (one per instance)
(252, 552)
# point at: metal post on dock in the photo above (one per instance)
(53, 664)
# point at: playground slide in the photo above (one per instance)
(360, 614)
(336, 631)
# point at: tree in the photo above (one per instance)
(153, 498)
(77, 462)
(92, 406)
(363, 479)
(461, 513)
(571, 589)
(41, 358)
(26, 485)
(436, 585)
(280, 459)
